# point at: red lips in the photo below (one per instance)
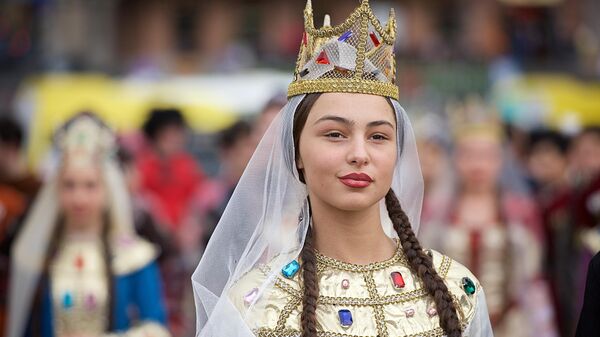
(356, 180)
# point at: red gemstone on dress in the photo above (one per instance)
(322, 58)
(79, 262)
(397, 280)
(345, 284)
(304, 38)
(374, 39)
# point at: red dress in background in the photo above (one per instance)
(170, 184)
(170, 187)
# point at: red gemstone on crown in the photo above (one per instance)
(397, 280)
(304, 38)
(374, 39)
(322, 58)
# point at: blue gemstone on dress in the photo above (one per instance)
(345, 36)
(345, 318)
(290, 269)
(68, 300)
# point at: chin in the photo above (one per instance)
(354, 203)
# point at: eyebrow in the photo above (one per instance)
(378, 123)
(352, 123)
(335, 119)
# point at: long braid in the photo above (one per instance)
(308, 318)
(43, 282)
(106, 253)
(422, 265)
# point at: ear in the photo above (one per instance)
(299, 163)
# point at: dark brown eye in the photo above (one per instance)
(379, 137)
(334, 135)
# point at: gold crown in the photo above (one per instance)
(355, 56)
(474, 117)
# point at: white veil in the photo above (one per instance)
(30, 248)
(267, 218)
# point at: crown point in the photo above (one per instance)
(327, 21)
(308, 5)
(391, 24)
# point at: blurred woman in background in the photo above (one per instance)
(78, 268)
(493, 228)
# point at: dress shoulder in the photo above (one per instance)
(262, 297)
(132, 253)
(462, 284)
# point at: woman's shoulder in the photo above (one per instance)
(131, 253)
(462, 284)
(239, 292)
(263, 295)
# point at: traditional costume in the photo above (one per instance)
(76, 291)
(248, 281)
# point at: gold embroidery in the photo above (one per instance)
(264, 332)
(323, 262)
(285, 313)
(376, 304)
(377, 309)
(368, 301)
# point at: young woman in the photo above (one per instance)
(318, 238)
(78, 269)
(490, 224)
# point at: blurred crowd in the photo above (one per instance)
(512, 183)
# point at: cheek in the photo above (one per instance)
(385, 162)
(97, 197)
(66, 198)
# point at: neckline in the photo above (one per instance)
(330, 262)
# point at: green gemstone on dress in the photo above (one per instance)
(468, 286)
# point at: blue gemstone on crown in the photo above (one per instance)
(290, 269)
(345, 36)
(345, 318)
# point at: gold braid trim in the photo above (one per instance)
(403, 297)
(354, 85)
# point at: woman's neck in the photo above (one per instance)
(351, 236)
(89, 228)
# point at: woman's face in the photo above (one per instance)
(347, 150)
(478, 162)
(82, 194)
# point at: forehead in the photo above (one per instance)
(74, 170)
(356, 107)
(478, 142)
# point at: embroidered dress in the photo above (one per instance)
(357, 300)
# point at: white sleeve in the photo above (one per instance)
(480, 325)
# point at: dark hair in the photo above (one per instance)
(544, 136)
(11, 132)
(230, 136)
(124, 157)
(159, 119)
(419, 262)
(590, 131)
(44, 281)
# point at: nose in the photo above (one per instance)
(358, 154)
